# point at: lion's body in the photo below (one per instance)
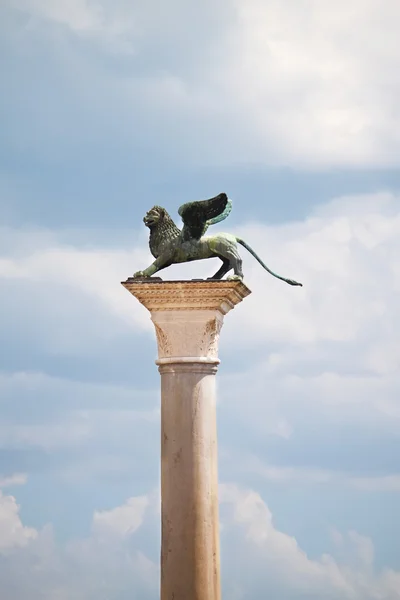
(169, 245)
(208, 246)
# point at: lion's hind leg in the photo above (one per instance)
(236, 265)
(227, 252)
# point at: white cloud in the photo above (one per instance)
(106, 564)
(284, 475)
(312, 84)
(90, 18)
(257, 556)
(80, 15)
(123, 520)
(386, 483)
(73, 413)
(345, 255)
(315, 79)
(13, 534)
(272, 561)
(15, 479)
(71, 290)
(95, 273)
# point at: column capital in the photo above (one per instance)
(198, 294)
(187, 315)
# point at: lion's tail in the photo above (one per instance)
(249, 249)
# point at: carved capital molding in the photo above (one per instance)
(155, 294)
(187, 315)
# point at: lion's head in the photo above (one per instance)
(153, 217)
(162, 229)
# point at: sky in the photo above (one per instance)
(109, 107)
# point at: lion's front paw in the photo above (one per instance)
(138, 274)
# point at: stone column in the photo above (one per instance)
(188, 317)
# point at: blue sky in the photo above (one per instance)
(291, 108)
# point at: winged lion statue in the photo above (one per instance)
(170, 245)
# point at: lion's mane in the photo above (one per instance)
(163, 232)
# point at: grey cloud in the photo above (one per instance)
(252, 83)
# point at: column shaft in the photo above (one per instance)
(189, 483)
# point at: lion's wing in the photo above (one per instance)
(198, 215)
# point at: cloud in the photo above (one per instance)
(107, 564)
(92, 271)
(340, 252)
(316, 89)
(285, 475)
(270, 561)
(13, 534)
(80, 432)
(94, 20)
(388, 483)
(329, 350)
(123, 520)
(316, 363)
(306, 84)
(15, 479)
(257, 556)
